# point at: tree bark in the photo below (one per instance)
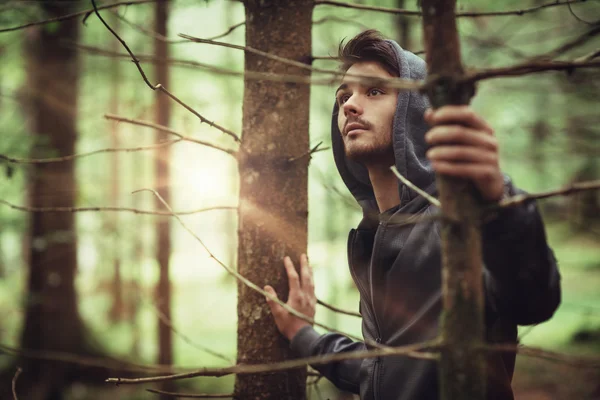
(163, 111)
(273, 190)
(462, 367)
(52, 320)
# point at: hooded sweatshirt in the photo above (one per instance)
(397, 270)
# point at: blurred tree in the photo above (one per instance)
(583, 133)
(404, 27)
(273, 190)
(118, 306)
(52, 320)
(163, 245)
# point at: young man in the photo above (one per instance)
(397, 267)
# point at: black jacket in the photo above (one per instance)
(396, 268)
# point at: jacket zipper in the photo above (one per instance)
(380, 232)
(376, 374)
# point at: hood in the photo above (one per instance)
(408, 138)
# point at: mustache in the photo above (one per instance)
(359, 120)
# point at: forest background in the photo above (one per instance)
(547, 125)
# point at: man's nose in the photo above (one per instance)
(352, 106)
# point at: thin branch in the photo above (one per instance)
(228, 31)
(192, 395)
(400, 11)
(89, 361)
(159, 86)
(264, 54)
(116, 209)
(185, 338)
(413, 350)
(338, 310)
(570, 45)
(589, 57)
(565, 359)
(346, 21)
(14, 383)
(169, 131)
(309, 153)
(251, 284)
(401, 84)
(411, 185)
(579, 18)
(529, 68)
(90, 153)
(75, 15)
(570, 189)
(396, 83)
(162, 38)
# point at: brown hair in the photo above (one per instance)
(369, 45)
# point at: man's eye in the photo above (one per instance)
(375, 92)
(343, 98)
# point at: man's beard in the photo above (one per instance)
(369, 153)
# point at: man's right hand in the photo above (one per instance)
(301, 298)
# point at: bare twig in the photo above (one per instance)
(169, 131)
(159, 86)
(346, 21)
(309, 153)
(185, 338)
(15, 160)
(75, 15)
(14, 383)
(565, 359)
(570, 189)
(249, 283)
(192, 395)
(162, 38)
(402, 84)
(588, 57)
(413, 350)
(89, 361)
(411, 185)
(570, 45)
(395, 83)
(338, 310)
(228, 31)
(578, 18)
(264, 54)
(115, 209)
(529, 68)
(400, 11)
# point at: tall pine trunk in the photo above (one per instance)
(462, 367)
(273, 191)
(163, 114)
(52, 321)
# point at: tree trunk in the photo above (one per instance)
(163, 111)
(403, 23)
(52, 320)
(118, 306)
(273, 191)
(462, 368)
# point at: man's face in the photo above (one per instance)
(366, 114)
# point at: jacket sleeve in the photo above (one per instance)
(343, 374)
(521, 277)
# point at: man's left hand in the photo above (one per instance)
(464, 146)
